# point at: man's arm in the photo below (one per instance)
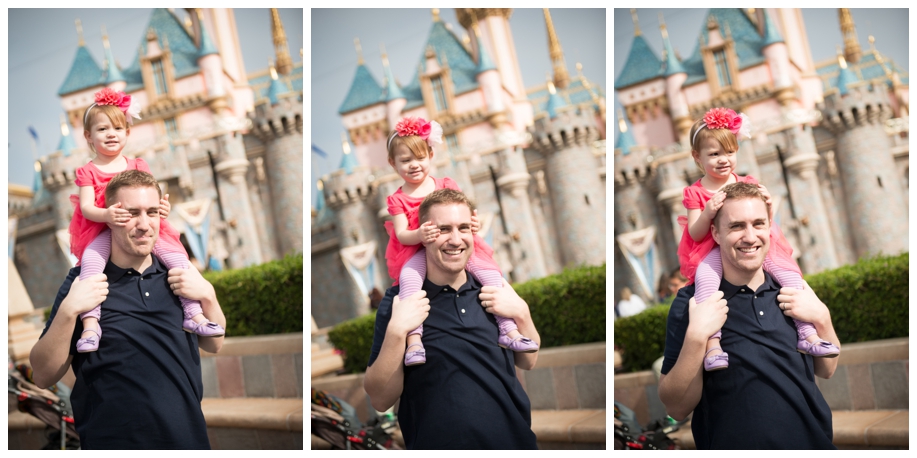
(50, 357)
(384, 379)
(804, 305)
(680, 389)
(190, 284)
(505, 302)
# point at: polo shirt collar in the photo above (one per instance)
(729, 290)
(114, 273)
(433, 289)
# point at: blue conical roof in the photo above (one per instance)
(207, 46)
(625, 140)
(392, 90)
(277, 88)
(555, 102)
(845, 77)
(771, 35)
(168, 29)
(364, 91)
(746, 38)
(113, 73)
(447, 47)
(84, 73)
(641, 65)
(672, 64)
(348, 162)
(484, 61)
(66, 144)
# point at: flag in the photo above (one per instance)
(318, 151)
(33, 133)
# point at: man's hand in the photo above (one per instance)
(803, 305)
(408, 315)
(85, 295)
(190, 284)
(707, 317)
(503, 301)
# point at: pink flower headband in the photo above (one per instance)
(108, 96)
(724, 118)
(431, 131)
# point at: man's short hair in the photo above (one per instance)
(741, 191)
(129, 179)
(440, 197)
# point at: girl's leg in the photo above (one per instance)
(95, 256)
(175, 260)
(509, 332)
(411, 280)
(707, 281)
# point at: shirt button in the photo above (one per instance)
(761, 313)
(147, 294)
(743, 290)
(463, 310)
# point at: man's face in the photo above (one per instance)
(137, 238)
(449, 253)
(743, 232)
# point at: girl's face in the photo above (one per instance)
(716, 161)
(104, 137)
(411, 169)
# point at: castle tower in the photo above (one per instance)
(777, 56)
(211, 65)
(277, 122)
(848, 29)
(113, 77)
(564, 138)
(232, 167)
(561, 77)
(284, 63)
(675, 76)
(856, 114)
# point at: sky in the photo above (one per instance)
(581, 32)
(888, 26)
(43, 43)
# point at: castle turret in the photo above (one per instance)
(393, 95)
(211, 64)
(848, 29)
(577, 198)
(675, 76)
(113, 76)
(777, 56)
(856, 115)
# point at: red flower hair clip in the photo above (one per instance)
(429, 131)
(724, 118)
(108, 96)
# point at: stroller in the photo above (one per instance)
(336, 422)
(51, 406)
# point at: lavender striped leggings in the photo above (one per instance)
(96, 256)
(710, 271)
(415, 270)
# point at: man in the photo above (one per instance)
(142, 389)
(466, 396)
(767, 398)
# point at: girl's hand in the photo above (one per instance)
(164, 207)
(428, 232)
(767, 199)
(713, 205)
(475, 222)
(116, 215)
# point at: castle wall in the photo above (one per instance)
(754, 76)
(38, 257)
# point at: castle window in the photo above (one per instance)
(722, 68)
(452, 143)
(439, 94)
(159, 77)
(171, 128)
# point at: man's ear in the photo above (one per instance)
(716, 236)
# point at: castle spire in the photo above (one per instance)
(79, 33)
(672, 65)
(561, 77)
(848, 29)
(277, 87)
(435, 12)
(392, 91)
(112, 71)
(207, 46)
(356, 42)
(633, 14)
(281, 50)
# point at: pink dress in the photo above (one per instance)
(84, 231)
(396, 254)
(691, 253)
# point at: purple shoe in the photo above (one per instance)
(416, 357)
(716, 363)
(204, 329)
(89, 344)
(820, 349)
(520, 344)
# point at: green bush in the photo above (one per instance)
(567, 308)
(262, 299)
(355, 339)
(868, 301)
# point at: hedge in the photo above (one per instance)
(262, 299)
(567, 308)
(868, 301)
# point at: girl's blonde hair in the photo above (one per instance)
(699, 134)
(114, 114)
(417, 145)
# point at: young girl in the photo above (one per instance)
(714, 146)
(410, 152)
(106, 126)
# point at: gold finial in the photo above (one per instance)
(104, 37)
(633, 15)
(561, 77)
(270, 64)
(848, 30)
(319, 184)
(384, 55)
(356, 42)
(622, 126)
(665, 33)
(37, 166)
(872, 43)
(64, 130)
(79, 32)
(436, 15)
(281, 50)
(840, 58)
(345, 145)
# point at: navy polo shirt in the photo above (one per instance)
(767, 398)
(467, 395)
(142, 388)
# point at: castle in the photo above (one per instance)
(226, 146)
(533, 160)
(830, 140)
